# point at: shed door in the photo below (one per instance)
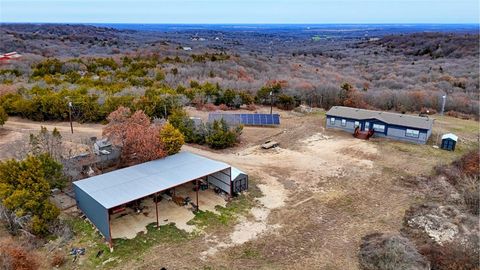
(448, 144)
(240, 184)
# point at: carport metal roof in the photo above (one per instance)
(128, 184)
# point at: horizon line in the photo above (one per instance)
(258, 23)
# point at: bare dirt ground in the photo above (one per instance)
(14, 134)
(128, 224)
(321, 192)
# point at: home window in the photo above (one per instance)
(379, 128)
(332, 120)
(412, 133)
(357, 124)
(344, 122)
(367, 126)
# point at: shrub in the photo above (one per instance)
(247, 98)
(3, 116)
(469, 188)
(251, 107)
(220, 135)
(463, 176)
(171, 138)
(453, 256)
(428, 111)
(53, 171)
(25, 191)
(58, 260)
(223, 107)
(14, 256)
(50, 66)
(383, 252)
(285, 102)
(180, 120)
(469, 163)
(210, 107)
(458, 115)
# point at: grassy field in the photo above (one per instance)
(227, 216)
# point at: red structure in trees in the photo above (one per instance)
(9, 56)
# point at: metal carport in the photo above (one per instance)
(96, 195)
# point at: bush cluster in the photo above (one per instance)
(42, 104)
(25, 191)
(3, 116)
(390, 252)
(453, 202)
(13, 255)
(217, 135)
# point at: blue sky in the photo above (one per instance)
(241, 11)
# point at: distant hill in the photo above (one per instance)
(64, 39)
(434, 45)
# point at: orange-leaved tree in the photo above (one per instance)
(135, 135)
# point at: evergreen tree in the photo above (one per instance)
(171, 138)
(3, 116)
(25, 191)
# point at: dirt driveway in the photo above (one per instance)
(14, 134)
(322, 192)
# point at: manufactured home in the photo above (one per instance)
(395, 126)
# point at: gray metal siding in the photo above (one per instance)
(338, 124)
(393, 132)
(94, 211)
(240, 183)
(221, 179)
(396, 119)
(399, 134)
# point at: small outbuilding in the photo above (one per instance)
(449, 141)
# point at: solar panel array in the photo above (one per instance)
(256, 119)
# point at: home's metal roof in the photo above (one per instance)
(450, 136)
(386, 117)
(135, 182)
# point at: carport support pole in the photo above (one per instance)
(198, 187)
(156, 206)
(110, 244)
(110, 241)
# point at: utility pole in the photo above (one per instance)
(70, 115)
(444, 98)
(271, 102)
